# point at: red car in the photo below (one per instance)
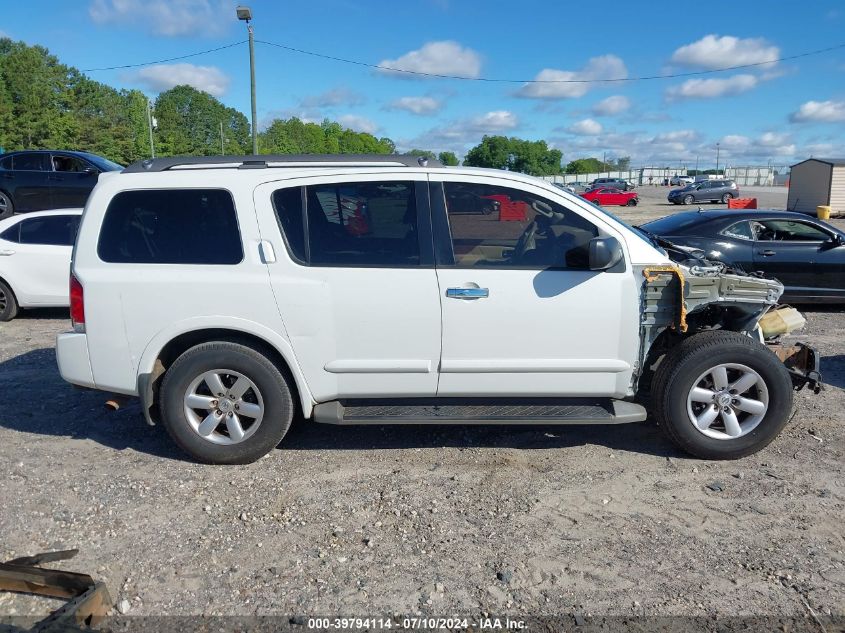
(606, 196)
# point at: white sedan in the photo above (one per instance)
(35, 251)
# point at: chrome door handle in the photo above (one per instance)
(767, 253)
(467, 293)
(7, 252)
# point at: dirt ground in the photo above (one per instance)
(430, 520)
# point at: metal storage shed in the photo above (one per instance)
(817, 181)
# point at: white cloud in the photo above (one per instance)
(820, 112)
(165, 76)
(712, 51)
(676, 136)
(332, 98)
(167, 17)
(416, 105)
(496, 121)
(612, 106)
(358, 123)
(712, 88)
(765, 146)
(438, 58)
(604, 67)
(586, 127)
(459, 134)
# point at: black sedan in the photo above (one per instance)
(806, 255)
(48, 179)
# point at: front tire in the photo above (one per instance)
(225, 403)
(721, 395)
(631, 203)
(8, 303)
(688, 199)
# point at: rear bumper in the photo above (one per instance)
(72, 356)
(802, 361)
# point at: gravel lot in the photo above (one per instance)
(431, 520)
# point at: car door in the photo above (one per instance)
(73, 179)
(39, 263)
(353, 274)
(790, 250)
(31, 181)
(522, 313)
(702, 191)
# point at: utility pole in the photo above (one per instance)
(151, 122)
(222, 146)
(245, 14)
(696, 165)
(717, 159)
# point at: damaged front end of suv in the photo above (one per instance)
(683, 299)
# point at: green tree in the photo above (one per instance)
(448, 158)
(293, 136)
(586, 166)
(422, 152)
(189, 124)
(515, 154)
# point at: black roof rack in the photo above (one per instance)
(263, 161)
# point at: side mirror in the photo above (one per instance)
(605, 253)
(90, 171)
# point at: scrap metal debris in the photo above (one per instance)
(88, 603)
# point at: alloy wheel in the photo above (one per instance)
(728, 401)
(224, 406)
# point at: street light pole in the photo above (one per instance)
(717, 159)
(150, 124)
(245, 14)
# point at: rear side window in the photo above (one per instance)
(362, 224)
(171, 226)
(55, 230)
(32, 162)
(288, 206)
(7, 163)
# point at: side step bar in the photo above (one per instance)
(462, 411)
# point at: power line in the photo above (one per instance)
(551, 81)
(163, 61)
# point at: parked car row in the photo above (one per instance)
(47, 179)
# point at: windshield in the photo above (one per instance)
(104, 164)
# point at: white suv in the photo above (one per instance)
(231, 293)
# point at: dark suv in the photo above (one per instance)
(46, 179)
(705, 191)
(615, 183)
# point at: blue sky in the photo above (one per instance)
(780, 112)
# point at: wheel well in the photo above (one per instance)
(8, 285)
(182, 343)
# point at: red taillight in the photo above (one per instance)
(77, 303)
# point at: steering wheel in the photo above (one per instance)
(545, 217)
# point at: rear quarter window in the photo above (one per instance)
(171, 226)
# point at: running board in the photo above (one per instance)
(464, 411)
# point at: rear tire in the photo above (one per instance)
(7, 207)
(676, 399)
(8, 303)
(727, 198)
(221, 431)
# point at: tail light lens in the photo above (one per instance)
(77, 304)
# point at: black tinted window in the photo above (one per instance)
(32, 162)
(7, 163)
(288, 206)
(12, 234)
(69, 163)
(171, 226)
(510, 228)
(56, 230)
(363, 224)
